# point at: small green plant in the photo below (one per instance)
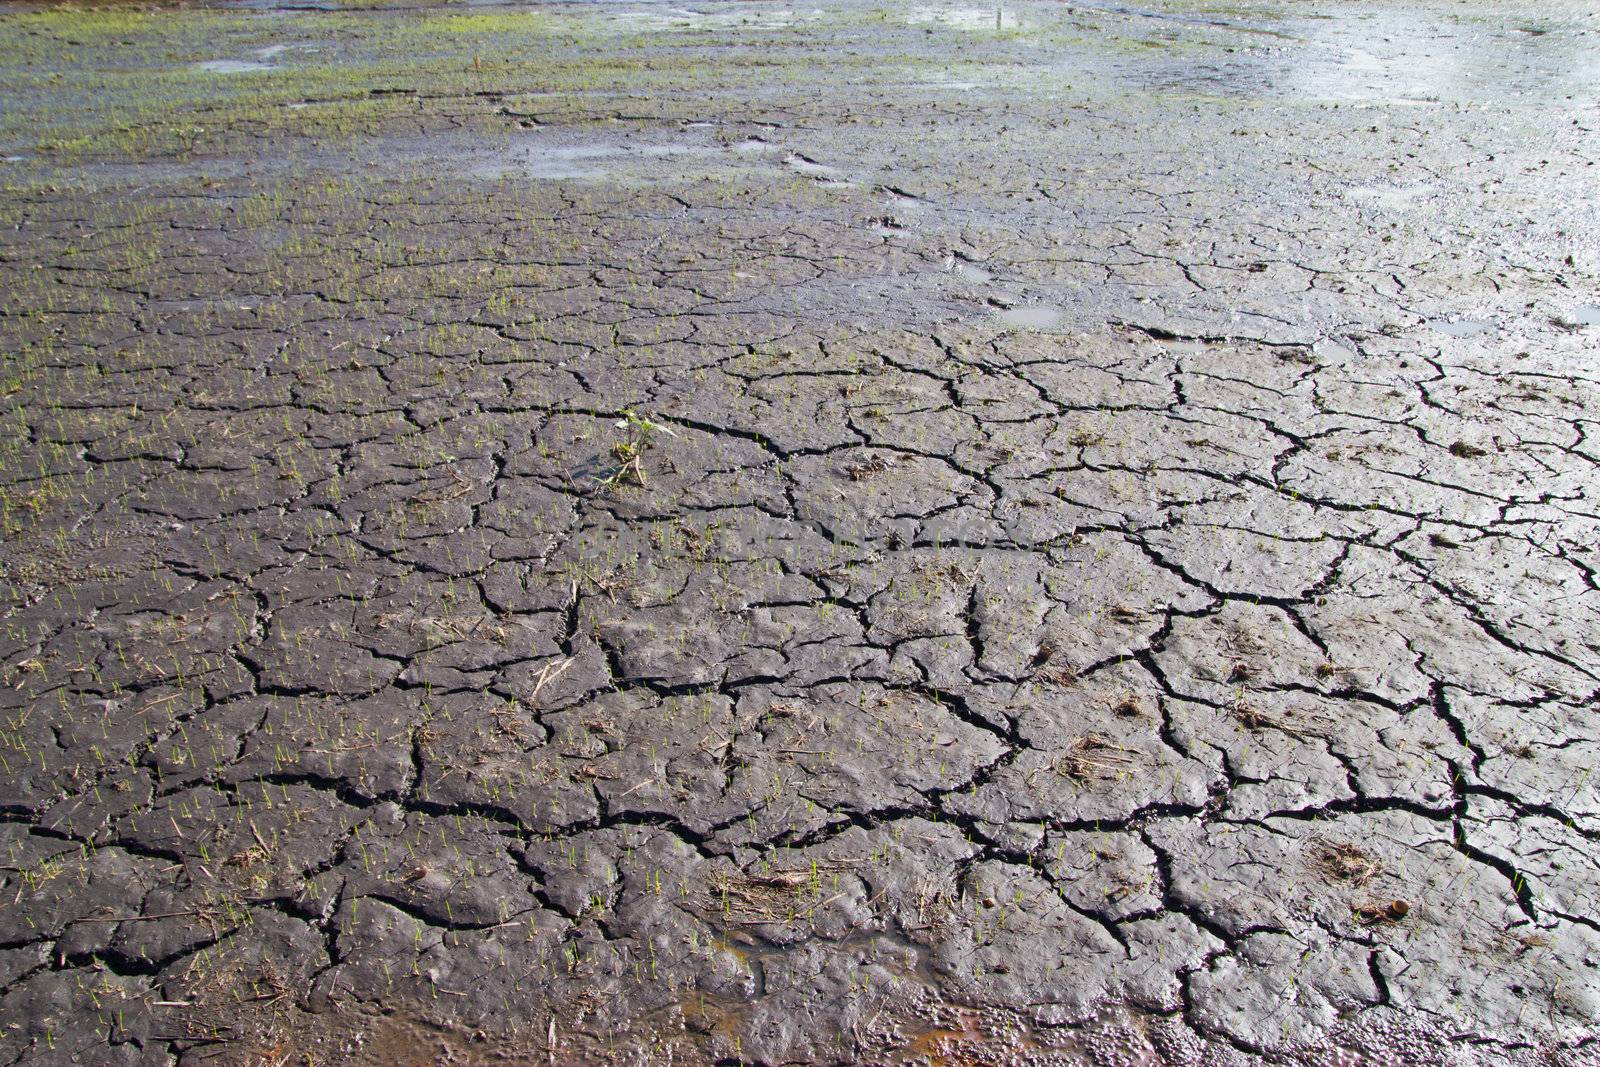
(629, 452)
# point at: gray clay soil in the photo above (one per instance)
(763, 533)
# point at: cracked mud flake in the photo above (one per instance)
(570, 535)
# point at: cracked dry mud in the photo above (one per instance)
(768, 534)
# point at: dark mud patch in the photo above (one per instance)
(1041, 590)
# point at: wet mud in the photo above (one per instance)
(761, 534)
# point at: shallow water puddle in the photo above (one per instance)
(967, 270)
(681, 18)
(972, 19)
(534, 155)
(262, 59)
(581, 161)
(1192, 20)
(1032, 318)
(1460, 327)
(1585, 315)
(234, 66)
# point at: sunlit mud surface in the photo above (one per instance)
(768, 533)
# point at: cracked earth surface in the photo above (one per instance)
(766, 534)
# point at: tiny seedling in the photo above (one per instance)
(629, 452)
